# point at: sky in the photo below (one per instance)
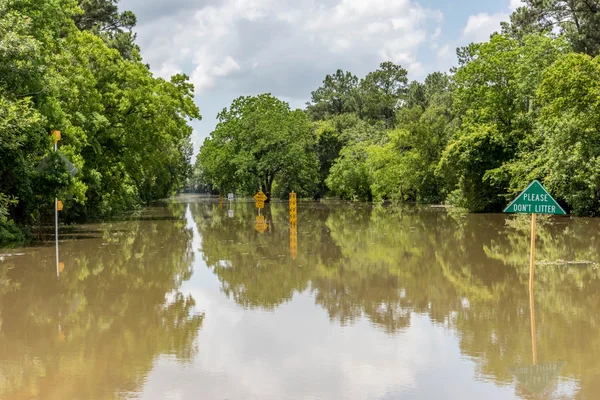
(231, 48)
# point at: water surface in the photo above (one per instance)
(190, 301)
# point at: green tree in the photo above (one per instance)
(577, 19)
(257, 141)
(330, 139)
(569, 161)
(404, 168)
(126, 131)
(350, 177)
(116, 28)
(494, 95)
(335, 97)
(383, 90)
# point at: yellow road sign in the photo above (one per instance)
(260, 204)
(55, 136)
(59, 205)
(260, 196)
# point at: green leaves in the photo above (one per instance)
(126, 131)
(495, 96)
(570, 126)
(335, 97)
(258, 140)
(576, 19)
(382, 91)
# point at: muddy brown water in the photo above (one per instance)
(192, 302)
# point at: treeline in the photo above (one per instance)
(73, 66)
(524, 105)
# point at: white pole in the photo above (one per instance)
(56, 222)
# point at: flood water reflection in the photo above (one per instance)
(193, 301)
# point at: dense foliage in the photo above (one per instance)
(522, 106)
(73, 66)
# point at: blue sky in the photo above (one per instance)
(231, 48)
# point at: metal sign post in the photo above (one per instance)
(230, 199)
(56, 138)
(293, 226)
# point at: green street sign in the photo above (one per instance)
(535, 200)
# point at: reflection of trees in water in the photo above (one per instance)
(467, 272)
(94, 332)
(567, 289)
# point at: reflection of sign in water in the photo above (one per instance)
(293, 241)
(261, 225)
(293, 227)
(230, 197)
(535, 200)
(536, 378)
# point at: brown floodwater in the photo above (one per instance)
(192, 301)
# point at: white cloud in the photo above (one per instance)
(481, 26)
(436, 34)
(514, 4)
(167, 70)
(444, 52)
(223, 42)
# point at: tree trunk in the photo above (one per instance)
(268, 187)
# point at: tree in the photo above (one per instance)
(569, 123)
(331, 136)
(494, 94)
(126, 131)
(382, 91)
(258, 140)
(335, 97)
(404, 168)
(350, 177)
(577, 19)
(103, 18)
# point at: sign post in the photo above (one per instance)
(293, 226)
(534, 200)
(230, 198)
(55, 139)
